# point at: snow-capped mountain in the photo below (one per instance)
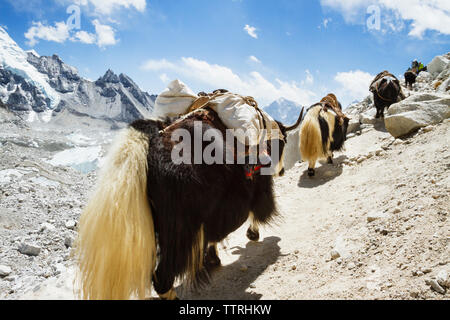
(45, 86)
(15, 71)
(284, 110)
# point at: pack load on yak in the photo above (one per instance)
(236, 111)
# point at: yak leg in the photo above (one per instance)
(163, 282)
(253, 233)
(378, 113)
(253, 230)
(311, 171)
(330, 158)
(212, 257)
(170, 295)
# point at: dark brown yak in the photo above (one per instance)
(386, 91)
(152, 220)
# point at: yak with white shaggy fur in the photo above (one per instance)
(324, 130)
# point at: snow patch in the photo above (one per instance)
(44, 182)
(8, 175)
(83, 159)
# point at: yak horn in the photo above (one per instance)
(299, 121)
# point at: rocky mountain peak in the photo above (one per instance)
(109, 77)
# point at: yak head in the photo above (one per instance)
(389, 88)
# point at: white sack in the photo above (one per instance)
(232, 109)
(174, 101)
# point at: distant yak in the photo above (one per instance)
(386, 91)
(324, 130)
(410, 78)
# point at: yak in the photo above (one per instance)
(152, 221)
(323, 131)
(410, 78)
(386, 91)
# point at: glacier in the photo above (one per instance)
(14, 59)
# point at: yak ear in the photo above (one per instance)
(299, 121)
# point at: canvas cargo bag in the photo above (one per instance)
(236, 112)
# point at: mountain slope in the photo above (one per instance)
(284, 110)
(45, 86)
(15, 66)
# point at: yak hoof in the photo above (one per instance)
(282, 172)
(211, 258)
(252, 235)
(330, 160)
(311, 172)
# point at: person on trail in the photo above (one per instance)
(421, 68)
(417, 67)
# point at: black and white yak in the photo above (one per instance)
(154, 221)
(323, 131)
(386, 91)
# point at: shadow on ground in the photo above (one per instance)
(231, 282)
(324, 174)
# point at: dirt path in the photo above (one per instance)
(324, 246)
(329, 215)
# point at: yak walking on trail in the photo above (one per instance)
(386, 91)
(154, 221)
(324, 130)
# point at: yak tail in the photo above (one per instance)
(311, 147)
(115, 249)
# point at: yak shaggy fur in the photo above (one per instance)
(115, 248)
(320, 135)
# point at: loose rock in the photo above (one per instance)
(5, 271)
(29, 249)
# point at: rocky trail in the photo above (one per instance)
(372, 226)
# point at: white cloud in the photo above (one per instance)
(422, 15)
(107, 7)
(309, 77)
(326, 21)
(354, 85)
(164, 78)
(213, 76)
(105, 34)
(251, 31)
(84, 37)
(59, 33)
(254, 59)
(158, 65)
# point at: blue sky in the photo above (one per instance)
(299, 50)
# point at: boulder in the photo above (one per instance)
(424, 76)
(353, 126)
(445, 86)
(368, 117)
(417, 111)
(5, 271)
(438, 65)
